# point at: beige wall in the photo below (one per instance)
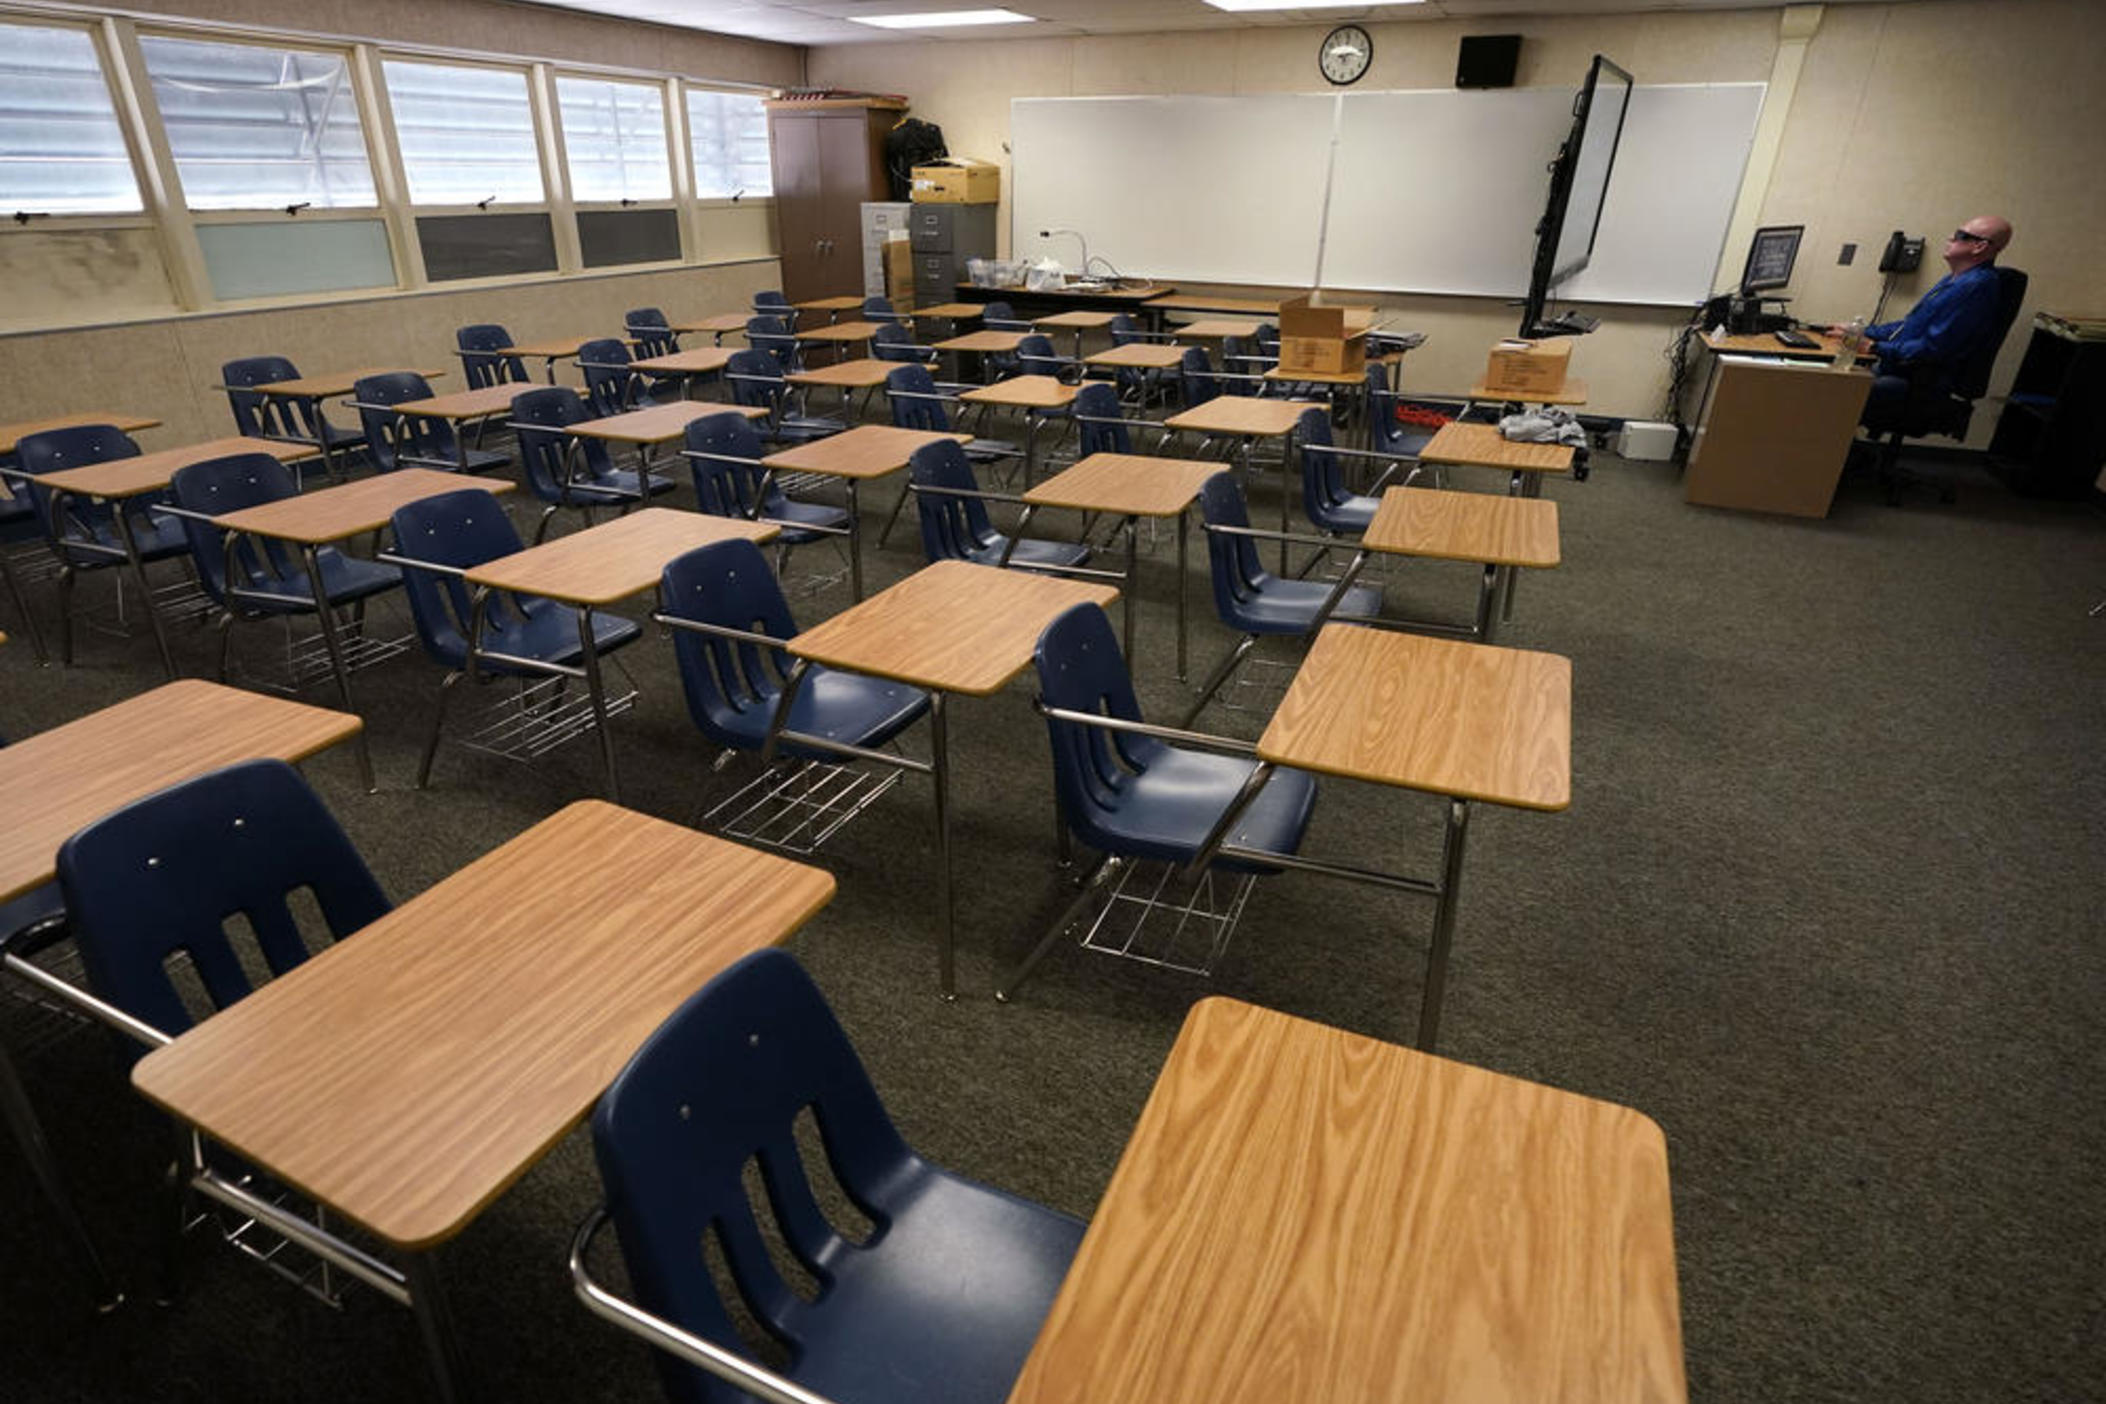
(169, 368)
(1912, 115)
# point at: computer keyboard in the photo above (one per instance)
(1798, 341)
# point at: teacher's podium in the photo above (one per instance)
(1773, 435)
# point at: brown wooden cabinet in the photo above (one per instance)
(829, 157)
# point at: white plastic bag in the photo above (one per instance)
(1046, 276)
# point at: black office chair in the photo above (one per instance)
(1927, 409)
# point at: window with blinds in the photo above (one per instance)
(466, 134)
(614, 140)
(253, 126)
(728, 133)
(61, 149)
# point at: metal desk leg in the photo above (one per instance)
(310, 555)
(1286, 492)
(29, 1135)
(1443, 923)
(146, 593)
(1523, 485)
(434, 1323)
(1184, 534)
(1488, 589)
(855, 544)
(597, 690)
(940, 774)
(1133, 551)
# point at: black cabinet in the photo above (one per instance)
(945, 236)
(2050, 441)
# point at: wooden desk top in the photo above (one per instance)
(1304, 1213)
(983, 341)
(848, 375)
(468, 404)
(1574, 392)
(317, 518)
(951, 311)
(1241, 414)
(58, 781)
(408, 1074)
(150, 472)
(829, 304)
(1353, 377)
(699, 361)
(1481, 446)
(717, 322)
(1129, 484)
(12, 434)
(1766, 344)
(1143, 355)
(654, 424)
(1026, 391)
(554, 349)
(1214, 328)
(613, 560)
(866, 451)
(1450, 718)
(840, 331)
(1073, 320)
(1487, 527)
(335, 383)
(952, 626)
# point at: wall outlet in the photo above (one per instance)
(1849, 253)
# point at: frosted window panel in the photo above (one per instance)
(61, 150)
(729, 134)
(254, 127)
(296, 256)
(467, 134)
(614, 138)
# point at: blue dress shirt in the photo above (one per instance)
(1945, 324)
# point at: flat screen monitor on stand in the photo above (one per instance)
(1579, 183)
(1771, 254)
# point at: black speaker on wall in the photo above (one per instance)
(1487, 60)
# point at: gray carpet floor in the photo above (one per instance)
(1827, 905)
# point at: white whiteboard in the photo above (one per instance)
(1216, 189)
(1435, 191)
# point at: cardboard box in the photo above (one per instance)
(1528, 367)
(1317, 340)
(958, 181)
(899, 271)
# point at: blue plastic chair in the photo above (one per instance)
(772, 303)
(612, 385)
(566, 470)
(82, 532)
(756, 379)
(940, 1299)
(1253, 602)
(1129, 795)
(1386, 435)
(733, 684)
(1035, 356)
(893, 341)
(1000, 316)
(879, 309)
(1331, 505)
(724, 452)
(1196, 381)
(772, 335)
(1101, 427)
(412, 440)
(481, 347)
(955, 526)
(265, 576)
(653, 334)
(919, 402)
(270, 417)
(455, 532)
(163, 875)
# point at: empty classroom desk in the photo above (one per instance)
(1040, 397)
(1499, 533)
(1249, 417)
(864, 452)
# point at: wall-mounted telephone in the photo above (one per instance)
(1902, 254)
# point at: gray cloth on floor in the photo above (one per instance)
(1543, 426)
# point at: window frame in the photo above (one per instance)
(108, 61)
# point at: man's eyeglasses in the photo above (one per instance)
(1965, 236)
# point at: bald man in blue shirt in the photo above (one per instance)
(1924, 350)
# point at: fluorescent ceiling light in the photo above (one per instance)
(1241, 5)
(943, 19)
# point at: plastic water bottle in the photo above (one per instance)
(1846, 345)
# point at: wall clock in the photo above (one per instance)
(1345, 54)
